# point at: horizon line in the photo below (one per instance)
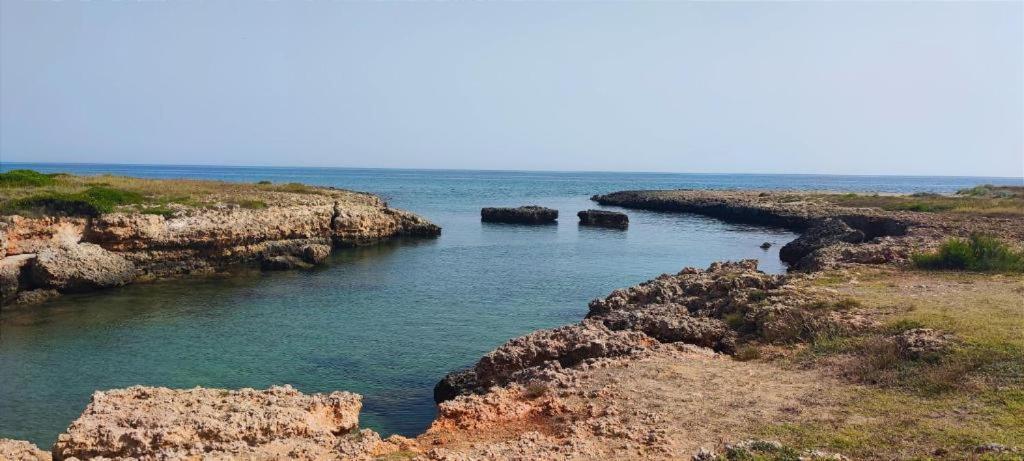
(506, 170)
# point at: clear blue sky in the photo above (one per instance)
(858, 88)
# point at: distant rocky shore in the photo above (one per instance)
(46, 253)
(832, 232)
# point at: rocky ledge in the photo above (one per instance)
(717, 308)
(832, 234)
(530, 214)
(603, 218)
(45, 255)
(150, 423)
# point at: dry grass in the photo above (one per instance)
(48, 194)
(988, 205)
(938, 406)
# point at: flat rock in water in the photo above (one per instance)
(530, 214)
(603, 218)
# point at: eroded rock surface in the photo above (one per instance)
(149, 423)
(530, 214)
(20, 450)
(76, 267)
(603, 218)
(714, 308)
(294, 230)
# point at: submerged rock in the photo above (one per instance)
(603, 218)
(530, 214)
(75, 267)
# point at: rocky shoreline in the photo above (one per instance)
(831, 234)
(47, 255)
(662, 370)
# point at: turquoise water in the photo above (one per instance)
(385, 321)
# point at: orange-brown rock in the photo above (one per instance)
(148, 423)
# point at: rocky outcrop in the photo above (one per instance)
(823, 234)
(295, 230)
(77, 267)
(714, 308)
(530, 214)
(148, 423)
(20, 450)
(603, 218)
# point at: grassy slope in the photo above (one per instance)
(909, 409)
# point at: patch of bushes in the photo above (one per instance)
(993, 191)
(26, 178)
(252, 204)
(264, 182)
(978, 253)
(90, 202)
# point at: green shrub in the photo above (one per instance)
(252, 204)
(90, 202)
(264, 182)
(977, 253)
(26, 178)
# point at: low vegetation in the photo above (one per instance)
(978, 253)
(31, 193)
(984, 199)
(943, 404)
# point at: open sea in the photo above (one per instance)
(384, 321)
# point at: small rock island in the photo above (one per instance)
(530, 214)
(603, 218)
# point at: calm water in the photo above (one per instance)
(386, 321)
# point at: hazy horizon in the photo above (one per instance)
(922, 89)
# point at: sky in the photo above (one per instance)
(922, 88)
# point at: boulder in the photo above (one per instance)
(523, 215)
(72, 267)
(603, 218)
(825, 233)
(159, 423)
(316, 254)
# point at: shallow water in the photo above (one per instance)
(385, 321)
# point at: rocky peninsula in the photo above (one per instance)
(62, 233)
(881, 344)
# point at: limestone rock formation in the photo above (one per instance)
(603, 218)
(530, 214)
(823, 234)
(74, 267)
(294, 230)
(148, 423)
(20, 450)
